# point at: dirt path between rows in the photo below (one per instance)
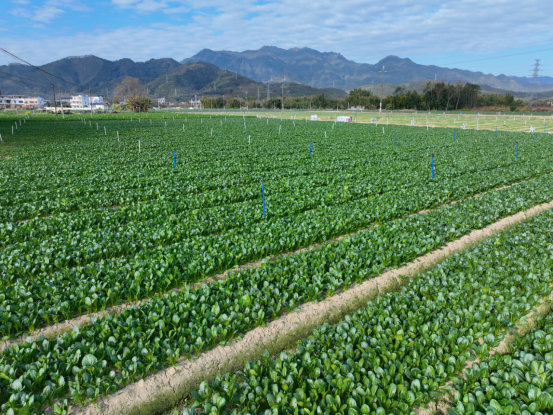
(171, 385)
(56, 329)
(521, 329)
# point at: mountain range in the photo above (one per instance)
(326, 69)
(200, 78)
(161, 77)
(303, 72)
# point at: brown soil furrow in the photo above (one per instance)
(521, 329)
(170, 386)
(67, 325)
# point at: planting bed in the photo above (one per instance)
(93, 218)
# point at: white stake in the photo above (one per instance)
(139, 146)
(105, 132)
(117, 135)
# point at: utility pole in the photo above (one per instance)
(381, 91)
(283, 98)
(61, 104)
(90, 101)
(55, 105)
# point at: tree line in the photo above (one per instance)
(441, 96)
(435, 96)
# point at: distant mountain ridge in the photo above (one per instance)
(100, 74)
(327, 69)
(160, 76)
(206, 79)
(304, 72)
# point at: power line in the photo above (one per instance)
(23, 82)
(499, 57)
(36, 67)
(28, 79)
(495, 50)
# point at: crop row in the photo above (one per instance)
(38, 257)
(95, 184)
(114, 350)
(27, 303)
(395, 354)
(517, 383)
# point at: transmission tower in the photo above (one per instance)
(535, 74)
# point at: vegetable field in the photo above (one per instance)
(133, 242)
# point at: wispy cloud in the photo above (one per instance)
(48, 11)
(362, 30)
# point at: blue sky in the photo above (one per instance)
(492, 36)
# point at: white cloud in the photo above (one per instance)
(48, 11)
(364, 31)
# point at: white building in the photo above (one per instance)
(35, 102)
(195, 103)
(160, 101)
(97, 102)
(80, 101)
(12, 101)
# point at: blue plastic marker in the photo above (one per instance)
(453, 135)
(263, 194)
(495, 130)
(175, 160)
(395, 137)
(517, 151)
(309, 149)
(432, 165)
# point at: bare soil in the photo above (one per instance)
(172, 385)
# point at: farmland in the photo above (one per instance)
(511, 121)
(134, 242)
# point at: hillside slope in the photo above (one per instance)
(327, 69)
(100, 74)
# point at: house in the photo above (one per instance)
(98, 103)
(34, 102)
(80, 101)
(12, 101)
(195, 103)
